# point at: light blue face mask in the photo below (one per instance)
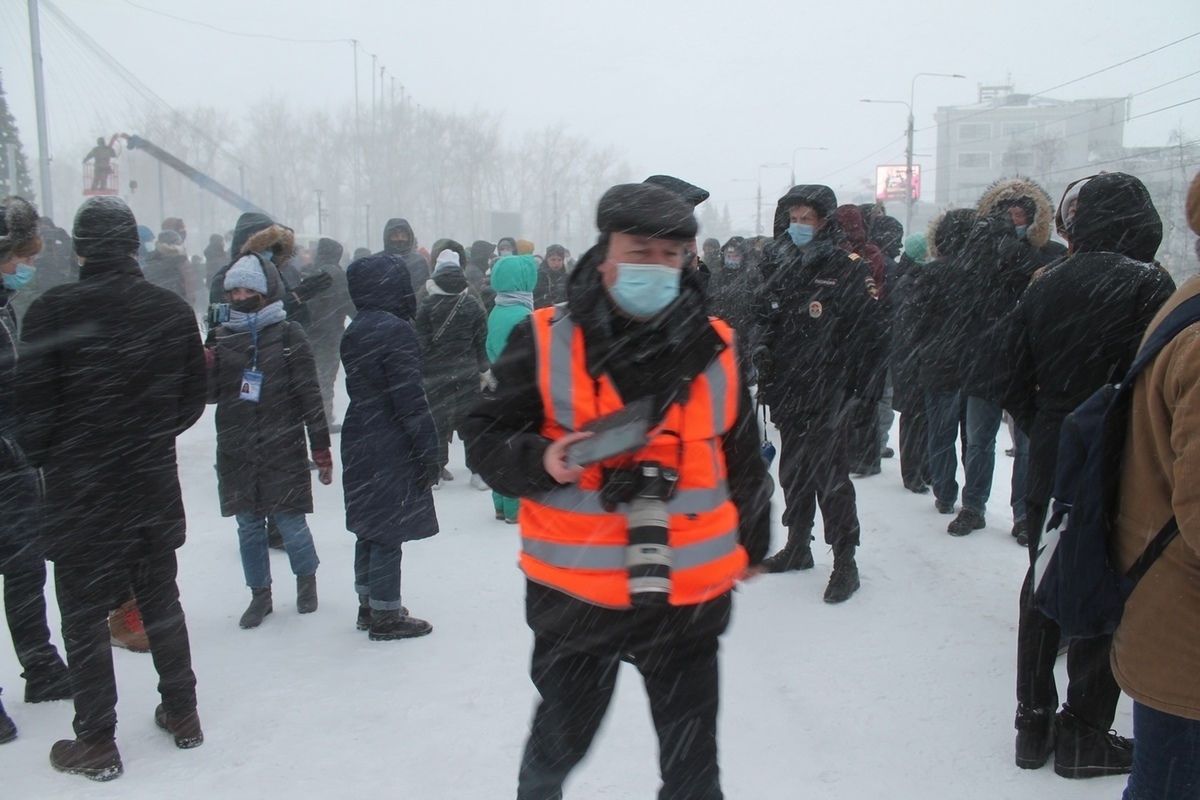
(643, 290)
(732, 263)
(801, 234)
(1021, 229)
(20, 278)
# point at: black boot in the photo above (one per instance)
(1020, 532)
(1035, 736)
(364, 613)
(306, 593)
(843, 582)
(1082, 751)
(51, 682)
(795, 555)
(260, 606)
(389, 625)
(100, 761)
(8, 728)
(967, 520)
(185, 728)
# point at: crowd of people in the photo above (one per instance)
(612, 405)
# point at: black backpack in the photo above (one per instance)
(1075, 581)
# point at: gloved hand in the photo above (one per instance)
(324, 461)
(312, 286)
(210, 357)
(431, 473)
(487, 381)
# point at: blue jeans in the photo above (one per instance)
(1166, 759)
(256, 556)
(983, 423)
(377, 573)
(1020, 472)
(943, 410)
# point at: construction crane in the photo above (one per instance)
(133, 142)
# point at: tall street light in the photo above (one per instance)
(797, 150)
(908, 150)
(758, 202)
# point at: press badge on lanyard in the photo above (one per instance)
(252, 379)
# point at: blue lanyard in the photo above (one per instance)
(253, 339)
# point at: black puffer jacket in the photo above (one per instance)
(821, 340)
(20, 546)
(907, 395)
(262, 461)
(933, 318)
(1080, 324)
(452, 315)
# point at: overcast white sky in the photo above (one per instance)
(707, 90)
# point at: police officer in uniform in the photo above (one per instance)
(820, 344)
(632, 557)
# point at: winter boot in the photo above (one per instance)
(8, 728)
(260, 606)
(100, 761)
(967, 520)
(364, 613)
(843, 582)
(795, 555)
(389, 625)
(943, 508)
(447, 475)
(184, 727)
(306, 593)
(478, 483)
(1020, 532)
(48, 683)
(1035, 736)
(1082, 751)
(125, 628)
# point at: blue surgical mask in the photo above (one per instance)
(732, 263)
(801, 234)
(20, 278)
(1021, 229)
(643, 290)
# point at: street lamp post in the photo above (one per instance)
(758, 201)
(797, 150)
(908, 149)
(320, 212)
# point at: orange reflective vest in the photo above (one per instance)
(570, 543)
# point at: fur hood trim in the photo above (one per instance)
(280, 240)
(1007, 191)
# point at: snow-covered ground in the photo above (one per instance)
(905, 691)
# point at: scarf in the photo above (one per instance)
(515, 299)
(240, 321)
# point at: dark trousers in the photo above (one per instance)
(85, 595)
(576, 687)
(914, 448)
(1166, 760)
(1092, 692)
(25, 610)
(864, 442)
(814, 468)
(943, 417)
(450, 402)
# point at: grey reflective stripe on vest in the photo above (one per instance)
(590, 556)
(562, 389)
(718, 387)
(586, 501)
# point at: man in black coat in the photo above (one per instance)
(400, 244)
(820, 345)
(654, 352)
(1077, 327)
(1009, 243)
(733, 292)
(111, 371)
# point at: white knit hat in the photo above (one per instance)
(246, 273)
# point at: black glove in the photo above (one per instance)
(431, 473)
(312, 286)
(761, 359)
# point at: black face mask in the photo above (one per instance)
(399, 248)
(247, 306)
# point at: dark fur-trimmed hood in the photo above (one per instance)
(1021, 190)
(279, 240)
(948, 232)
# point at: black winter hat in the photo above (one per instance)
(644, 209)
(105, 226)
(689, 192)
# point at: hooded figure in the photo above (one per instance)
(327, 314)
(552, 278)
(215, 257)
(452, 329)
(111, 371)
(400, 243)
(732, 292)
(389, 443)
(908, 398)
(167, 265)
(478, 263)
(1076, 328)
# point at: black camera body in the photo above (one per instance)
(218, 314)
(648, 556)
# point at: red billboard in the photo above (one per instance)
(889, 182)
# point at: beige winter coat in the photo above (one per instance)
(1156, 650)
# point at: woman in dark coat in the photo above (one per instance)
(22, 563)
(389, 445)
(264, 382)
(452, 329)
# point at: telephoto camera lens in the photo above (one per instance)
(648, 555)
